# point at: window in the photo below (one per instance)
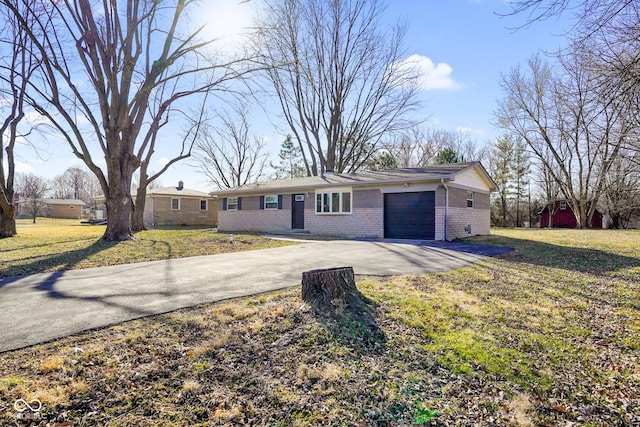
(232, 204)
(563, 205)
(335, 202)
(72, 207)
(203, 205)
(175, 204)
(469, 199)
(271, 202)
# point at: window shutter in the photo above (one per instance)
(261, 202)
(224, 204)
(279, 201)
(239, 203)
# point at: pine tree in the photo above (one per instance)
(500, 161)
(520, 171)
(291, 164)
(448, 155)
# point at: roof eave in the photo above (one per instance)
(239, 190)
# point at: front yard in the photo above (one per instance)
(548, 334)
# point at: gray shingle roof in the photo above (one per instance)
(388, 176)
(63, 202)
(173, 191)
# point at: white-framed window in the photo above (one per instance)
(271, 201)
(469, 199)
(175, 204)
(333, 202)
(563, 205)
(232, 204)
(204, 205)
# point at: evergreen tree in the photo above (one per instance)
(382, 160)
(448, 155)
(290, 164)
(520, 172)
(500, 160)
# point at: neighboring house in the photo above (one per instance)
(53, 208)
(563, 216)
(179, 206)
(436, 202)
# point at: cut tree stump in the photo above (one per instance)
(329, 290)
(333, 296)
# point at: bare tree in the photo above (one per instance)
(339, 79)
(575, 130)
(621, 200)
(75, 183)
(32, 189)
(17, 65)
(607, 28)
(116, 72)
(227, 154)
(418, 147)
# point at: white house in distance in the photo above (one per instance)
(440, 202)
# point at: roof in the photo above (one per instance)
(173, 191)
(168, 191)
(444, 172)
(63, 202)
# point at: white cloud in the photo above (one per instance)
(163, 161)
(471, 132)
(431, 76)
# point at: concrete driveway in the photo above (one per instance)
(43, 307)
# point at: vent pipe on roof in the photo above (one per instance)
(180, 186)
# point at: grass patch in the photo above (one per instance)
(543, 335)
(54, 245)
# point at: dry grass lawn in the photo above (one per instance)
(546, 335)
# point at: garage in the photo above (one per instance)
(410, 215)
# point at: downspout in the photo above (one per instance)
(446, 210)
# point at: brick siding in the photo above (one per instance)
(157, 211)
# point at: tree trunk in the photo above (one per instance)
(137, 222)
(121, 164)
(7, 222)
(333, 290)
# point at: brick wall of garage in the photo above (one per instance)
(460, 216)
(157, 211)
(64, 211)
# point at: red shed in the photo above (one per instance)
(564, 217)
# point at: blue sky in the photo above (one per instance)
(465, 41)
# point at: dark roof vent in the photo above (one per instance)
(180, 186)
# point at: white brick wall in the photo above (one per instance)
(364, 222)
(264, 220)
(459, 219)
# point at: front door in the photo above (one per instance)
(297, 211)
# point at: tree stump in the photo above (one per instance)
(333, 296)
(330, 290)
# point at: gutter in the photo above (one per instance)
(446, 210)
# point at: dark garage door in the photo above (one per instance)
(410, 215)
